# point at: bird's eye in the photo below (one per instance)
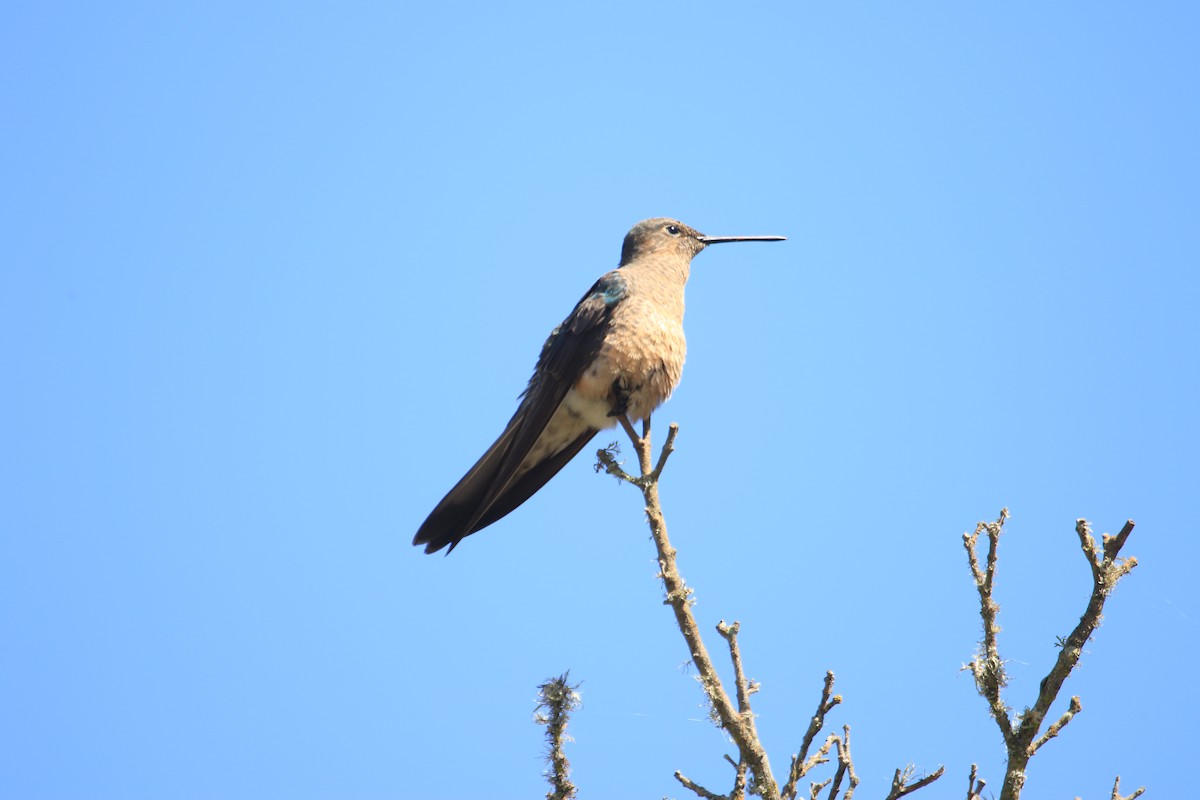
(673, 230)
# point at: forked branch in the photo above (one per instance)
(752, 769)
(1020, 734)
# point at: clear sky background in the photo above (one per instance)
(272, 277)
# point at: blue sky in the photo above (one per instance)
(273, 276)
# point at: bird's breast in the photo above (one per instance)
(638, 367)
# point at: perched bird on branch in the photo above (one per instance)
(618, 355)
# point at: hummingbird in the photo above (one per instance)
(618, 355)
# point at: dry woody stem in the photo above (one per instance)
(739, 725)
(752, 770)
(556, 700)
(975, 784)
(1023, 733)
(1020, 733)
(1116, 791)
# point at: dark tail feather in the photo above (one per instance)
(459, 514)
(527, 485)
(449, 522)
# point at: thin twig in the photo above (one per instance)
(845, 767)
(700, 791)
(801, 763)
(901, 786)
(1116, 791)
(628, 426)
(606, 459)
(667, 448)
(744, 688)
(974, 786)
(987, 667)
(1058, 725)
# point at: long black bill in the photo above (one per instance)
(723, 239)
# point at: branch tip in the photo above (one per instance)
(556, 700)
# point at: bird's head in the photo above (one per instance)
(664, 236)
(661, 236)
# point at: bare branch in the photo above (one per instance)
(740, 726)
(975, 787)
(667, 448)
(1113, 545)
(1116, 790)
(752, 769)
(739, 780)
(1021, 738)
(901, 786)
(801, 763)
(700, 791)
(739, 783)
(628, 426)
(744, 687)
(845, 767)
(1054, 729)
(556, 700)
(987, 666)
(606, 459)
(1105, 575)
